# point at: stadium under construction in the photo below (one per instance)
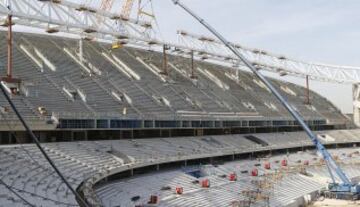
(97, 114)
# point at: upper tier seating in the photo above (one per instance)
(56, 78)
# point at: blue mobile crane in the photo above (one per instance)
(342, 190)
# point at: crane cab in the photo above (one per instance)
(343, 191)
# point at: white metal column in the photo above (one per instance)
(356, 104)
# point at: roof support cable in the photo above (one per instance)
(37, 142)
(17, 139)
(17, 194)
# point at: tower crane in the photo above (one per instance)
(344, 189)
(125, 13)
(106, 5)
(126, 9)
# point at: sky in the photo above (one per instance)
(326, 31)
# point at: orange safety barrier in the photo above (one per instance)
(306, 162)
(205, 183)
(232, 177)
(153, 199)
(179, 190)
(267, 165)
(254, 172)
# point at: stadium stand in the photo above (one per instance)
(91, 166)
(124, 89)
(64, 96)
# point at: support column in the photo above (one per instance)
(356, 104)
(42, 136)
(81, 53)
(9, 55)
(307, 91)
(193, 76)
(72, 136)
(165, 62)
(237, 75)
(9, 71)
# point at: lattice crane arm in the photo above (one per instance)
(106, 5)
(346, 185)
(127, 8)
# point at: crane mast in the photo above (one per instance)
(346, 186)
(106, 5)
(126, 9)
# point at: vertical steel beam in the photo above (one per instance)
(81, 51)
(193, 76)
(9, 48)
(165, 62)
(307, 91)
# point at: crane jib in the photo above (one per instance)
(330, 162)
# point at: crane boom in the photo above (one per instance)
(106, 5)
(126, 9)
(346, 185)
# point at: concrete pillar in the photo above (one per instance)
(9, 138)
(142, 123)
(42, 136)
(72, 136)
(199, 132)
(86, 135)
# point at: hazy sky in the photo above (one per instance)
(313, 30)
